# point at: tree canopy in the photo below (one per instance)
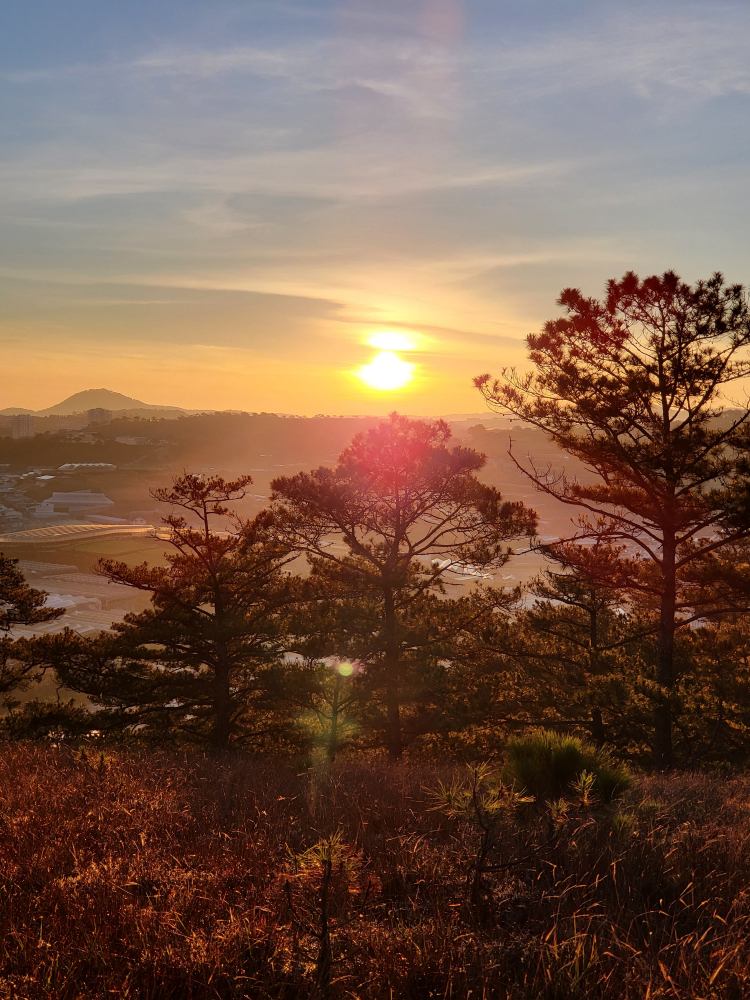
(385, 527)
(635, 386)
(21, 660)
(191, 661)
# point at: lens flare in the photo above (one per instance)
(386, 372)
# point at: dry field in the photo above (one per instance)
(150, 875)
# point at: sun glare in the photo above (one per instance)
(386, 372)
(389, 340)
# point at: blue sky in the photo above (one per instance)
(217, 204)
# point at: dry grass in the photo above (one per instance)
(158, 876)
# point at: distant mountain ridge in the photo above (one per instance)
(90, 399)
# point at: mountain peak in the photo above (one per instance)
(107, 399)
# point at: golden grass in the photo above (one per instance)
(165, 876)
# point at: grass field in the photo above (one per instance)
(156, 875)
(85, 554)
(131, 551)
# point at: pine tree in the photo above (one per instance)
(714, 718)
(632, 386)
(381, 531)
(192, 662)
(21, 604)
(578, 633)
(21, 661)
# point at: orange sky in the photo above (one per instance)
(218, 205)
(314, 374)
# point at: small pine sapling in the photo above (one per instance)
(487, 803)
(326, 888)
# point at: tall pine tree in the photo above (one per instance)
(192, 662)
(634, 387)
(382, 529)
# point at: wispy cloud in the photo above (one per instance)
(363, 160)
(701, 50)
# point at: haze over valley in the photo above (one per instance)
(142, 447)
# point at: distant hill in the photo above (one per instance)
(105, 398)
(89, 399)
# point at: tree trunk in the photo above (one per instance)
(597, 727)
(333, 736)
(597, 724)
(665, 657)
(222, 705)
(392, 699)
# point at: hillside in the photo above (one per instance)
(107, 399)
(172, 875)
(104, 398)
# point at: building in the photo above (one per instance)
(10, 519)
(89, 466)
(74, 502)
(99, 416)
(131, 440)
(22, 426)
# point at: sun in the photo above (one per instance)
(386, 372)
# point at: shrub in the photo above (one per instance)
(546, 765)
(42, 720)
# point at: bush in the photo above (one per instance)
(43, 720)
(546, 764)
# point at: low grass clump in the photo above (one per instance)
(169, 876)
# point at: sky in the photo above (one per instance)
(222, 204)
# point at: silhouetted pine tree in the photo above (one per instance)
(20, 660)
(633, 387)
(381, 531)
(192, 663)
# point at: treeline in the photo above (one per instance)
(635, 636)
(50, 451)
(238, 441)
(256, 433)
(218, 440)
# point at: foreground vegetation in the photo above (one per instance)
(178, 876)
